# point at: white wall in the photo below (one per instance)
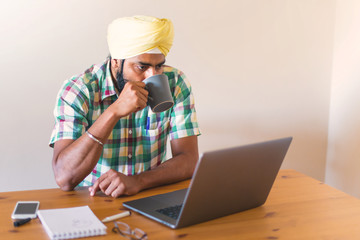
(260, 69)
(343, 165)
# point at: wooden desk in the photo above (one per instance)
(298, 207)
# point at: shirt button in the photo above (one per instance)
(130, 131)
(130, 156)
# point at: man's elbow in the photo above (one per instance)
(66, 188)
(64, 183)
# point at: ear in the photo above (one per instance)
(115, 63)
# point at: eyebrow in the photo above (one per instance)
(148, 64)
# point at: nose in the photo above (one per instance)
(151, 71)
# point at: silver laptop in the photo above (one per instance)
(224, 182)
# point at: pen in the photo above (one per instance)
(147, 124)
(117, 216)
(21, 222)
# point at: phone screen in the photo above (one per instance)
(26, 208)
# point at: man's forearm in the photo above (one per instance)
(74, 160)
(176, 169)
(180, 167)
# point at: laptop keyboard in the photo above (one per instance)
(172, 211)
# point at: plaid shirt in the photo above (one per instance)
(138, 141)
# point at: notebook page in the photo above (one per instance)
(66, 223)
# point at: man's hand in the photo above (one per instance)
(132, 99)
(115, 184)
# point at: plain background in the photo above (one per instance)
(260, 69)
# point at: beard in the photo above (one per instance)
(120, 80)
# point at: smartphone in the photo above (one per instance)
(25, 209)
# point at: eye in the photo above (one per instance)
(159, 67)
(141, 67)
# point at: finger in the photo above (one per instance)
(137, 87)
(120, 190)
(104, 184)
(141, 102)
(143, 94)
(140, 106)
(135, 84)
(94, 188)
(113, 185)
(140, 84)
(127, 87)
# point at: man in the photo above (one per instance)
(105, 136)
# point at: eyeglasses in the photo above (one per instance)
(124, 230)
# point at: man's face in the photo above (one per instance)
(139, 68)
(143, 66)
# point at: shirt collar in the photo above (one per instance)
(108, 88)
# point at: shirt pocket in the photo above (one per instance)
(155, 127)
(150, 133)
(156, 121)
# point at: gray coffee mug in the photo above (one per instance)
(160, 98)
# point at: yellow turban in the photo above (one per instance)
(131, 36)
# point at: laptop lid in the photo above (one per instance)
(224, 182)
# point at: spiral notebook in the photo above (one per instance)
(67, 223)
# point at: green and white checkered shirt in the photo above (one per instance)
(138, 142)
